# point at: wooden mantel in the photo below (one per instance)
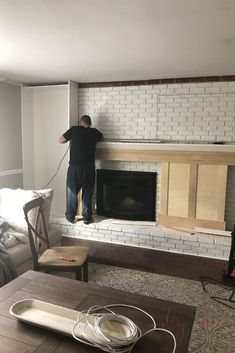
(193, 178)
(167, 152)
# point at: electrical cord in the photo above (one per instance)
(95, 329)
(229, 301)
(57, 168)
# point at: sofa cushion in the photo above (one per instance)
(21, 253)
(11, 207)
(12, 202)
(47, 196)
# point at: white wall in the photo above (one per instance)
(175, 112)
(27, 138)
(45, 117)
(10, 136)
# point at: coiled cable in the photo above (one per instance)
(95, 329)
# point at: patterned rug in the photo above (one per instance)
(214, 325)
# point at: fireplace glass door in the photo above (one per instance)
(126, 194)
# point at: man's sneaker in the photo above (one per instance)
(88, 220)
(70, 220)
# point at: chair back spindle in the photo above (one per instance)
(37, 230)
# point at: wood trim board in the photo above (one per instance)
(192, 190)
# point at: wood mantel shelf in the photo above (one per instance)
(167, 152)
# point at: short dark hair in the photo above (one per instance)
(86, 119)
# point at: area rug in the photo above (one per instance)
(214, 326)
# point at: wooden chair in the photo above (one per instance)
(66, 258)
(230, 268)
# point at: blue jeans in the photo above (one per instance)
(79, 177)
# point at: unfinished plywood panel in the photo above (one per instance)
(189, 223)
(211, 191)
(79, 209)
(178, 193)
(193, 195)
(165, 167)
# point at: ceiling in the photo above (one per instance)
(45, 41)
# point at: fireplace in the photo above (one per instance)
(126, 194)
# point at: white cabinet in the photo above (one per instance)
(47, 112)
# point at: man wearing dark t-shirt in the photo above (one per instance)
(81, 171)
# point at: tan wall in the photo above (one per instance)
(10, 136)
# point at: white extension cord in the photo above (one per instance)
(97, 329)
(57, 170)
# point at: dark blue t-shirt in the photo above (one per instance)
(82, 144)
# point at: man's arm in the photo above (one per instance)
(62, 139)
(99, 135)
(67, 136)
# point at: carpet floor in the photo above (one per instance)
(214, 325)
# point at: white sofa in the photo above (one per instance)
(16, 240)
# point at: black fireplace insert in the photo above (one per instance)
(126, 194)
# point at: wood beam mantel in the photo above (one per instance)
(165, 152)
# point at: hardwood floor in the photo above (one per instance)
(171, 264)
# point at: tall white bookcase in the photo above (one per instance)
(47, 112)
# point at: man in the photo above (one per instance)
(81, 171)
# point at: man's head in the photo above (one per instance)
(85, 121)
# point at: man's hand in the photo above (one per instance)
(62, 139)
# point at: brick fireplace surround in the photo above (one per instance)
(174, 112)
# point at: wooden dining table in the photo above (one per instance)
(19, 337)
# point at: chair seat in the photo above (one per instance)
(54, 256)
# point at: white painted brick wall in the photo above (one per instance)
(153, 237)
(188, 111)
(184, 112)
